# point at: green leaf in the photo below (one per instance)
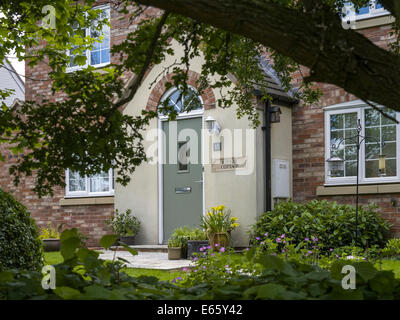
(67, 293)
(68, 247)
(271, 262)
(129, 249)
(365, 270)
(270, 291)
(108, 240)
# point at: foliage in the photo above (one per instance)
(49, 233)
(332, 223)
(174, 243)
(20, 246)
(185, 233)
(124, 224)
(84, 276)
(392, 248)
(86, 130)
(218, 220)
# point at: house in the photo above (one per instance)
(10, 79)
(213, 158)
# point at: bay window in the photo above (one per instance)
(381, 136)
(101, 184)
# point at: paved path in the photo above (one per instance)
(148, 260)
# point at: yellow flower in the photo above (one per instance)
(235, 225)
(234, 219)
(210, 214)
(220, 208)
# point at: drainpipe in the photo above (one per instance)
(267, 133)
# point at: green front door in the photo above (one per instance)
(182, 175)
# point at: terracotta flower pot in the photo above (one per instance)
(174, 253)
(220, 238)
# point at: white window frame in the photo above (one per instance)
(373, 12)
(87, 193)
(87, 52)
(359, 107)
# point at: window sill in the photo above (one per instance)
(376, 21)
(99, 67)
(362, 189)
(86, 201)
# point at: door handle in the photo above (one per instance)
(183, 190)
(199, 181)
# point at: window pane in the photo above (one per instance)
(363, 10)
(100, 182)
(372, 135)
(351, 153)
(101, 48)
(183, 156)
(372, 150)
(371, 169)
(389, 133)
(337, 121)
(76, 182)
(389, 149)
(372, 118)
(391, 169)
(336, 137)
(351, 168)
(351, 120)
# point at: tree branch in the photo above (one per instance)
(136, 82)
(346, 59)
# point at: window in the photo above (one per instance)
(95, 185)
(380, 134)
(183, 103)
(374, 9)
(99, 55)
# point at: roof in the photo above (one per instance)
(275, 88)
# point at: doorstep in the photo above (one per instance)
(147, 260)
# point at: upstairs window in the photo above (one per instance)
(99, 55)
(374, 9)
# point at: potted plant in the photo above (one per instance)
(174, 249)
(125, 225)
(197, 239)
(50, 238)
(218, 225)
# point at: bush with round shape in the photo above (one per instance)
(332, 223)
(20, 246)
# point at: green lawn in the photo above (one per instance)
(55, 258)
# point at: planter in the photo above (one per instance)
(220, 238)
(174, 253)
(194, 247)
(51, 245)
(128, 240)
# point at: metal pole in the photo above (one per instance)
(358, 165)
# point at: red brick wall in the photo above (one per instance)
(309, 144)
(89, 219)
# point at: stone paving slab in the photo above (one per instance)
(147, 260)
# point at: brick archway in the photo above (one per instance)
(160, 89)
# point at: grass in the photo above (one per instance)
(163, 275)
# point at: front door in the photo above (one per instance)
(182, 175)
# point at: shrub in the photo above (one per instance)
(332, 223)
(20, 246)
(392, 248)
(49, 232)
(83, 275)
(124, 224)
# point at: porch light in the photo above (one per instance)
(382, 165)
(212, 125)
(335, 165)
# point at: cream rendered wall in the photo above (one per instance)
(281, 141)
(240, 193)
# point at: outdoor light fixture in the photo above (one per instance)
(212, 125)
(275, 114)
(335, 166)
